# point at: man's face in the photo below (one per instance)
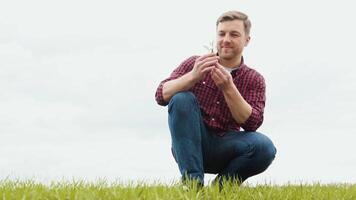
(231, 39)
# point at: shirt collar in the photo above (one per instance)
(237, 70)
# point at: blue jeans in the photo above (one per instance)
(198, 150)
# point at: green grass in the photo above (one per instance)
(10, 189)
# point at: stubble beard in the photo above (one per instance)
(228, 56)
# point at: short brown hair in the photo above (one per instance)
(235, 15)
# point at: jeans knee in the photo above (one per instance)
(271, 152)
(265, 147)
(182, 102)
(268, 149)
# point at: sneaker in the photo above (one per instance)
(192, 185)
(222, 180)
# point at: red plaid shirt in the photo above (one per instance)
(214, 109)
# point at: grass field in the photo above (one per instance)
(102, 190)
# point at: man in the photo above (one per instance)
(209, 99)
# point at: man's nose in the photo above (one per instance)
(226, 38)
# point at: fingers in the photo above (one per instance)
(217, 75)
(214, 76)
(205, 56)
(207, 63)
(212, 59)
(220, 77)
(209, 60)
(207, 69)
(222, 69)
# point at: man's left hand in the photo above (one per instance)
(221, 77)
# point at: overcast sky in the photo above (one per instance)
(77, 82)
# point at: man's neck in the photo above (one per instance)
(233, 63)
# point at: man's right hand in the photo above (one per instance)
(203, 64)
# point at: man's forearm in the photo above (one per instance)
(238, 106)
(172, 87)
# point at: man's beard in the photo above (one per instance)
(227, 56)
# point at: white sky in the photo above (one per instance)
(77, 82)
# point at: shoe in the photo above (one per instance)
(222, 180)
(192, 185)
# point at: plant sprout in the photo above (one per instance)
(210, 47)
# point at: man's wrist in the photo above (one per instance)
(191, 78)
(229, 88)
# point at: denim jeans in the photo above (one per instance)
(198, 150)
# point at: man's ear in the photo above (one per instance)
(247, 40)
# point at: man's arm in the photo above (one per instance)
(202, 65)
(239, 108)
(180, 81)
(249, 116)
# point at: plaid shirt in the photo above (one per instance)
(214, 109)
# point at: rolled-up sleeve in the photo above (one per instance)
(256, 98)
(182, 69)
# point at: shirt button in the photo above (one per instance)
(212, 119)
(204, 82)
(217, 102)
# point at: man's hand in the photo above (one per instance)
(240, 109)
(202, 65)
(221, 77)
